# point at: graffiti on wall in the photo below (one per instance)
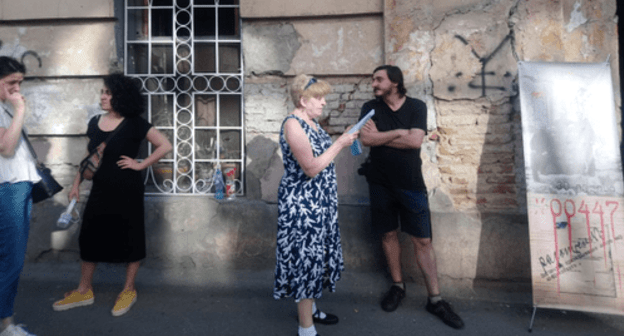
(17, 49)
(484, 62)
(41, 99)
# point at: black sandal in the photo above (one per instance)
(329, 318)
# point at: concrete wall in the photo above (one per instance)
(67, 46)
(472, 156)
(264, 9)
(55, 9)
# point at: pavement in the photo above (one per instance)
(239, 302)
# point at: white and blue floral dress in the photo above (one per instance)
(308, 253)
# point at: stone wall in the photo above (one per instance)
(461, 59)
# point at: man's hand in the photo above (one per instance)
(372, 137)
(370, 127)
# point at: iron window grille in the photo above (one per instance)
(186, 55)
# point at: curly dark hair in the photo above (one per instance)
(126, 95)
(9, 66)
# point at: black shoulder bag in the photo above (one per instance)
(48, 186)
(90, 165)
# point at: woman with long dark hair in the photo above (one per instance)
(113, 227)
(17, 176)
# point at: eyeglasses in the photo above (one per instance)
(312, 81)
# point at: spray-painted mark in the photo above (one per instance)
(24, 54)
(484, 61)
(34, 54)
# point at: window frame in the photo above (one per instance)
(189, 182)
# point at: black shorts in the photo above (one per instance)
(388, 205)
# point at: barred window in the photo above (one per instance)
(186, 54)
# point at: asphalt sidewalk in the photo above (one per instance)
(207, 302)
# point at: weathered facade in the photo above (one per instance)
(458, 58)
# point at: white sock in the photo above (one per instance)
(311, 331)
(435, 299)
(6, 322)
(321, 315)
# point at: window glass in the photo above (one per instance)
(229, 58)
(204, 23)
(162, 24)
(229, 111)
(137, 29)
(162, 59)
(205, 57)
(137, 58)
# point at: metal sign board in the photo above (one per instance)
(575, 187)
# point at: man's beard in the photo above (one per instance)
(380, 93)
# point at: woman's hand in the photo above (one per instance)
(346, 139)
(16, 99)
(129, 163)
(74, 193)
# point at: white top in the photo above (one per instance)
(21, 166)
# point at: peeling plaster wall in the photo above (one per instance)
(316, 46)
(289, 8)
(80, 49)
(54, 9)
(65, 60)
(344, 47)
(458, 56)
(463, 57)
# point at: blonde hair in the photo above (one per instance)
(301, 88)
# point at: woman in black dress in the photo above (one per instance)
(113, 221)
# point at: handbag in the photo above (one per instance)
(48, 186)
(90, 165)
(365, 167)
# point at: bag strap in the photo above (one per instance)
(32, 150)
(30, 147)
(110, 136)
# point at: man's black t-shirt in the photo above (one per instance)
(394, 167)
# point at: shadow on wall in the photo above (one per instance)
(504, 250)
(192, 234)
(264, 169)
(199, 233)
(46, 242)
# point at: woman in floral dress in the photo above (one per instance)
(309, 254)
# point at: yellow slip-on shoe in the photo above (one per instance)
(125, 300)
(74, 299)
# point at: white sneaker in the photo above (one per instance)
(15, 330)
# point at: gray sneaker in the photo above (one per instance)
(15, 330)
